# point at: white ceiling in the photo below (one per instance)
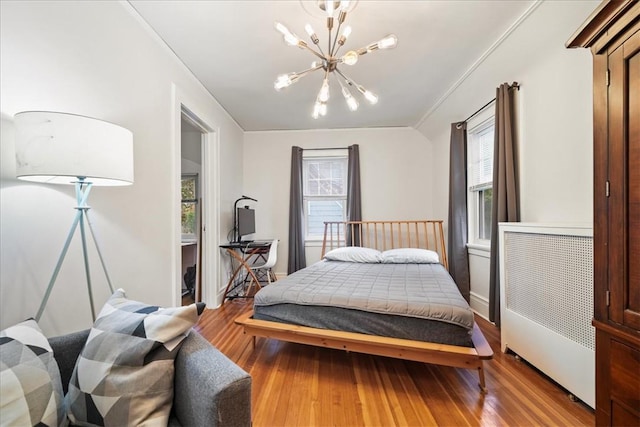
(234, 50)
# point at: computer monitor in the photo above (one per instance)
(246, 222)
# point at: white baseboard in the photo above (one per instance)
(479, 304)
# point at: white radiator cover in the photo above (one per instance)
(546, 301)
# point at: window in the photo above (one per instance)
(324, 192)
(480, 180)
(189, 206)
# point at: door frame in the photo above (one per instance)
(198, 116)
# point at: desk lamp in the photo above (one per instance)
(62, 148)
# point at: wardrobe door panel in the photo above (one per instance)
(624, 177)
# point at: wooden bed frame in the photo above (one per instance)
(381, 235)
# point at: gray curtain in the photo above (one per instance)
(354, 198)
(457, 219)
(296, 217)
(505, 186)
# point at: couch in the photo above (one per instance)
(209, 389)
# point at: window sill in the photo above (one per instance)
(318, 243)
(313, 243)
(481, 247)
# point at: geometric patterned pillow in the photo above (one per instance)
(124, 374)
(30, 386)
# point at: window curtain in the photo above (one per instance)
(354, 203)
(505, 186)
(296, 217)
(457, 219)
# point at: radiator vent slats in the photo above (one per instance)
(550, 279)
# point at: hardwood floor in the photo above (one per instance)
(300, 385)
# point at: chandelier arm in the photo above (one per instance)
(326, 78)
(333, 47)
(372, 98)
(309, 70)
(314, 52)
(346, 79)
(338, 80)
(322, 55)
(329, 28)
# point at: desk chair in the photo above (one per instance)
(267, 266)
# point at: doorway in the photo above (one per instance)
(191, 209)
(201, 146)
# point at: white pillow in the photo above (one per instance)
(410, 256)
(354, 254)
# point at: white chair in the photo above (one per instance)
(267, 266)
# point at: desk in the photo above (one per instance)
(244, 253)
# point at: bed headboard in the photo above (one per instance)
(383, 235)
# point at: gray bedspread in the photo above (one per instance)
(420, 291)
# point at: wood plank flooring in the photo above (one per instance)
(298, 385)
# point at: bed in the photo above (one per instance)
(381, 288)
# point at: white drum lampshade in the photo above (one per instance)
(62, 148)
(58, 148)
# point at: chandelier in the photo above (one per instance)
(329, 60)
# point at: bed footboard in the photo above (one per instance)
(438, 354)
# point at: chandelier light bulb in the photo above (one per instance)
(282, 29)
(323, 95)
(350, 58)
(370, 96)
(291, 40)
(345, 33)
(328, 7)
(351, 101)
(316, 110)
(323, 109)
(309, 29)
(373, 99)
(282, 81)
(286, 80)
(344, 5)
(389, 42)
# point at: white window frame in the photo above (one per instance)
(480, 124)
(188, 237)
(331, 155)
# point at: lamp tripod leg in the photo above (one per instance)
(93, 235)
(86, 261)
(59, 264)
(82, 194)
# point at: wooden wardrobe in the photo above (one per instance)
(612, 33)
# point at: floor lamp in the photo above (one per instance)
(62, 148)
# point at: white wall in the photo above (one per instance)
(396, 175)
(97, 59)
(555, 101)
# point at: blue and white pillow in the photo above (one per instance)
(124, 374)
(30, 385)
